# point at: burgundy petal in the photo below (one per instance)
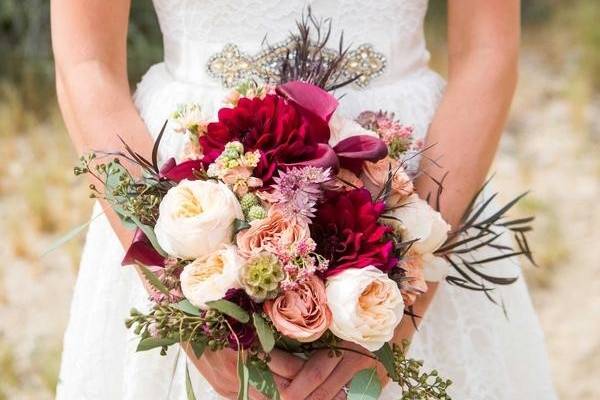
(141, 251)
(325, 158)
(356, 149)
(179, 172)
(309, 97)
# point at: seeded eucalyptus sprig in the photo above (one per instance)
(168, 324)
(415, 384)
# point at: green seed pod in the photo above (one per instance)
(261, 276)
(256, 212)
(248, 201)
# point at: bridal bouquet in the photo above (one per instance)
(284, 224)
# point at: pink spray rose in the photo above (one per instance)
(301, 313)
(276, 231)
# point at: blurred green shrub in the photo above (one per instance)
(25, 45)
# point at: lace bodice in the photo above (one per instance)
(194, 30)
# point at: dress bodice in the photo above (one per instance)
(195, 30)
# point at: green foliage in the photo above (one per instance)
(231, 309)
(365, 385)
(261, 378)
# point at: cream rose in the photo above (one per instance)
(196, 218)
(209, 278)
(366, 306)
(342, 128)
(416, 220)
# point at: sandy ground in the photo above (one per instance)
(552, 147)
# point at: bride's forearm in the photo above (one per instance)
(97, 109)
(464, 136)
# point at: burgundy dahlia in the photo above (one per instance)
(284, 132)
(348, 233)
(246, 335)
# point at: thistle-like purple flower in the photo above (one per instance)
(296, 191)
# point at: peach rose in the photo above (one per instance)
(347, 180)
(414, 284)
(274, 232)
(301, 313)
(376, 174)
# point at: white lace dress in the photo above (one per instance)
(464, 336)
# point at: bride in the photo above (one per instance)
(463, 335)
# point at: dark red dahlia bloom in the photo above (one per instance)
(284, 132)
(348, 233)
(246, 334)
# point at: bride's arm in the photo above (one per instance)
(89, 43)
(483, 50)
(483, 47)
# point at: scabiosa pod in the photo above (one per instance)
(261, 275)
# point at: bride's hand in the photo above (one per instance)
(219, 368)
(324, 377)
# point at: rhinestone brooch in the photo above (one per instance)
(232, 66)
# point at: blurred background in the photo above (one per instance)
(552, 145)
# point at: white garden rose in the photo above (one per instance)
(196, 218)
(366, 306)
(209, 278)
(342, 128)
(416, 220)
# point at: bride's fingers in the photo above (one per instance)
(282, 383)
(285, 364)
(314, 372)
(342, 374)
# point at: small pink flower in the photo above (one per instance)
(241, 180)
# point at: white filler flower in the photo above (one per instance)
(196, 218)
(366, 306)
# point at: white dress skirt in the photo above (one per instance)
(487, 354)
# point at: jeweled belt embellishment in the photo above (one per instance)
(232, 66)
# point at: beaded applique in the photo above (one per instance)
(231, 66)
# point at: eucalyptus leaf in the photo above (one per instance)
(261, 378)
(231, 309)
(365, 385)
(265, 333)
(386, 356)
(149, 232)
(150, 343)
(189, 390)
(187, 307)
(198, 348)
(242, 371)
(154, 281)
(240, 225)
(67, 237)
